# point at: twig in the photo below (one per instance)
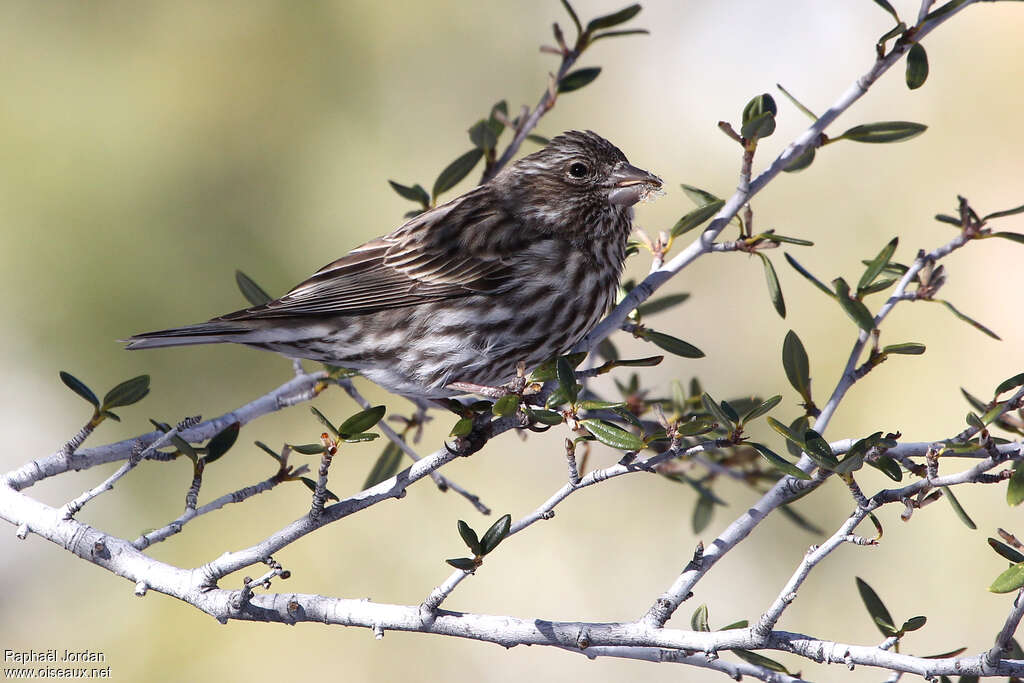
(443, 483)
(1005, 635)
(72, 507)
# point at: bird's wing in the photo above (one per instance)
(450, 251)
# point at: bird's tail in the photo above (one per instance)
(213, 332)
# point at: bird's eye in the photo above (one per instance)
(578, 170)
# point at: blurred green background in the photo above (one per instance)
(150, 149)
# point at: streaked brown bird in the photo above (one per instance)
(516, 270)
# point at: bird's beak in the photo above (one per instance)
(630, 184)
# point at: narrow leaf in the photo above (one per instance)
(698, 196)
(774, 291)
(567, 379)
(751, 657)
(252, 292)
(878, 264)
(703, 510)
(127, 392)
(796, 103)
(456, 171)
(917, 66)
(77, 386)
(1011, 554)
(574, 80)
(716, 411)
(818, 450)
(506, 405)
(803, 271)
(884, 4)
(361, 421)
(888, 467)
(883, 131)
(221, 442)
(906, 349)
(464, 563)
(796, 365)
(1012, 236)
(1010, 580)
(780, 463)
(1005, 212)
(546, 371)
(762, 409)
(696, 217)
(482, 135)
(613, 19)
(967, 319)
(496, 534)
(661, 304)
(855, 309)
(1015, 486)
(385, 467)
(416, 193)
(324, 421)
(672, 344)
(876, 608)
(612, 435)
(958, 508)
(469, 537)
(699, 619)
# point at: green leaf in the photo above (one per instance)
(878, 264)
(780, 463)
(547, 370)
(416, 193)
(1015, 485)
(883, 131)
(463, 563)
(496, 534)
(661, 304)
(625, 32)
(360, 438)
(943, 10)
(818, 450)
(761, 126)
(771, 236)
(385, 467)
(876, 608)
(1006, 212)
(888, 467)
(266, 449)
(1010, 580)
(884, 4)
(801, 162)
(762, 409)
(538, 139)
(308, 449)
(361, 421)
(913, 624)
(1011, 554)
(324, 421)
(698, 196)
(791, 435)
(574, 80)
(456, 171)
(672, 344)
(482, 135)
(127, 392)
(645, 362)
(967, 319)
(1012, 236)
(221, 442)
(796, 365)
(252, 292)
(716, 411)
(572, 15)
(958, 508)
(703, 509)
(952, 220)
(796, 103)
(742, 623)
(803, 271)
(613, 19)
(699, 619)
(879, 286)
(917, 66)
(855, 309)
(762, 104)
(469, 537)
(184, 447)
(567, 379)
(311, 485)
(760, 660)
(506, 405)
(544, 417)
(462, 428)
(698, 216)
(694, 426)
(77, 386)
(905, 349)
(774, 291)
(612, 435)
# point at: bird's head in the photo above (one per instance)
(579, 183)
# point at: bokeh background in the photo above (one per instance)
(150, 149)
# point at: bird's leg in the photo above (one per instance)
(516, 387)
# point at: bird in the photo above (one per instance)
(508, 275)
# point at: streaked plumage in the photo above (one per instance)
(517, 269)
